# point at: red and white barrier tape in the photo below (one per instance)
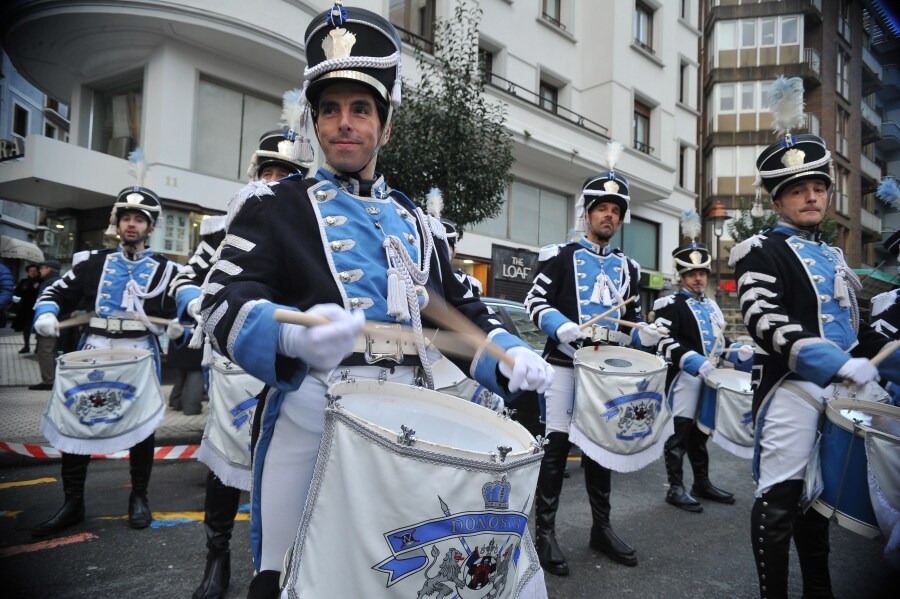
(171, 452)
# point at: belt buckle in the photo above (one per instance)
(114, 324)
(392, 349)
(599, 334)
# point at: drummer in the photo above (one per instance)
(696, 326)
(886, 311)
(272, 160)
(798, 298)
(122, 286)
(573, 283)
(346, 247)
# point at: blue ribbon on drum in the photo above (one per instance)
(126, 392)
(613, 409)
(407, 544)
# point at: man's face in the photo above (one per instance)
(134, 228)
(695, 280)
(603, 221)
(349, 130)
(802, 204)
(31, 272)
(273, 172)
(44, 271)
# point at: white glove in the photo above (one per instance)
(16, 299)
(859, 371)
(569, 332)
(193, 308)
(175, 330)
(745, 352)
(705, 369)
(529, 371)
(651, 334)
(45, 325)
(324, 346)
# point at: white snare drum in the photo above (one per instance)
(103, 401)
(733, 406)
(449, 379)
(420, 484)
(883, 455)
(225, 447)
(621, 419)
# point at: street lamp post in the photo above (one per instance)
(718, 215)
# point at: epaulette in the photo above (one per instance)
(883, 301)
(739, 251)
(549, 251)
(254, 188)
(79, 257)
(664, 301)
(212, 224)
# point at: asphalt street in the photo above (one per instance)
(681, 554)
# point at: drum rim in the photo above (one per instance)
(744, 376)
(834, 407)
(515, 429)
(596, 349)
(126, 355)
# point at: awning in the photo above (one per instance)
(10, 247)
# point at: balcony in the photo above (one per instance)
(869, 221)
(869, 169)
(890, 137)
(871, 124)
(811, 67)
(872, 72)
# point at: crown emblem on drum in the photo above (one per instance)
(96, 375)
(642, 385)
(793, 157)
(338, 43)
(496, 494)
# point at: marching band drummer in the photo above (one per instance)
(273, 160)
(346, 247)
(122, 286)
(798, 299)
(573, 283)
(886, 309)
(696, 327)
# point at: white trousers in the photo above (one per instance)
(684, 395)
(560, 400)
(291, 457)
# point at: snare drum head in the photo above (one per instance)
(613, 359)
(440, 421)
(860, 416)
(730, 379)
(104, 356)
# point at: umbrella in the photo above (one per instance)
(10, 247)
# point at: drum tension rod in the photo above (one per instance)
(406, 436)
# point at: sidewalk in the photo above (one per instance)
(21, 409)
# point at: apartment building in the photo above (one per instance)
(195, 83)
(749, 43)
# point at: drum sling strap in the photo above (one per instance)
(812, 480)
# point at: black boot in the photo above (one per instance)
(674, 457)
(141, 463)
(74, 473)
(546, 501)
(811, 540)
(221, 507)
(699, 458)
(597, 480)
(265, 585)
(771, 526)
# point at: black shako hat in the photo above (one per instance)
(606, 187)
(275, 148)
(352, 44)
(135, 198)
(692, 256)
(892, 244)
(795, 158)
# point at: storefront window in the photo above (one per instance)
(116, 115)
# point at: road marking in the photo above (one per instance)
(51, 544)
(10, 513)
(166, 519)
(25, 483)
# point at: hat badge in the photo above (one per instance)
(793, 157)
(696, 257)
(134, 198)
(338, 43)
(611, 187)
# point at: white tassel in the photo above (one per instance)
(597, 293)
(841, 293)
(398, 306)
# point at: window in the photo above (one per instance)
(486, 64)
(415, 21)
(530, 215)
(767, 32)
(789, 31)
(842, 130)
(116, 114)
(552, 12)
(843, 73)
(748, 33)
(682, 166)
(20, 120)
(227, 129)
(683, 82)
(748, 96)
(643, 26)
(842, 190)
(173, 234)
(726, 97)
(641, 127)
(549, 97)
(726, 40)
(684, 7)
(843, 16)
(639, 239)
(50, 131)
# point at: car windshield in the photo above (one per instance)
(527, 330)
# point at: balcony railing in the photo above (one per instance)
(641, 146)
(554, 108)
(869, 168)
(415, 40)
(869, 220)
(553, 21)
(869, 115)
(813, 60)
(872, 63)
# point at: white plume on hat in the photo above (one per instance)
(786, 104)
(889, 192)
(690, 224)
(434, 202)
(137, 168)
(294, 116)
(613, 152)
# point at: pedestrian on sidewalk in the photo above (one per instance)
(7, 284)
(45, 346)
(24, 296)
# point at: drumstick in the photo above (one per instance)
(450, 318)
(74, 321)
(608, 312)
(885, 352)
(447, 343)
(628, 323)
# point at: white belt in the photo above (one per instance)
(387, 343)
(116, 325)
